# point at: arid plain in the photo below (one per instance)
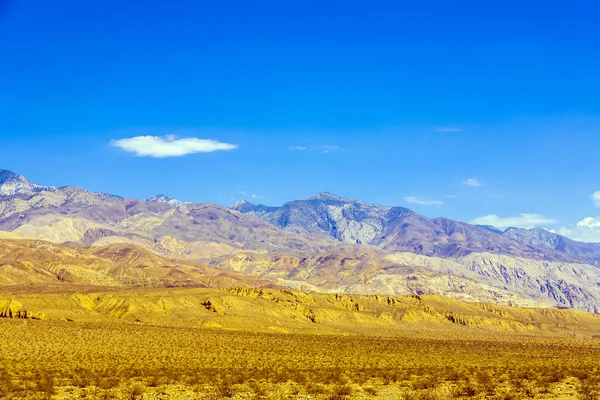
(187, 343)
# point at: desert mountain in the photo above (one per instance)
(324, 243)
(192, 231)
(11, 184)
(396, 229)
(26, 262)
(543, 238)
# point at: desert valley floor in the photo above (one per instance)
(191, 343)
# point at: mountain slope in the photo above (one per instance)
(325, 243)
(121, 265)
(544, 238)
(11, 184)
(392, 228)
(191, 231)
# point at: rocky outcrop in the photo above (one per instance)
(14, 309)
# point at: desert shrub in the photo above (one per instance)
(257, 388)
(426, 382)
(370, 390)
(133, 392)
(409, 395)
(529, 389)
(588, 390)
(225, 390)
(315, 389)
(508, 395)
(465, 390)
(46, 385)
(342, 390)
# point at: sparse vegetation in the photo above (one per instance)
(44, 359)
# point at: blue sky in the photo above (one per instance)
(398, 103)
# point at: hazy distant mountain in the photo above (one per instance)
(542, 237)
(491, 228)
(13, 184)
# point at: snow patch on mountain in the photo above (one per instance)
(13, 184)
(161, 198)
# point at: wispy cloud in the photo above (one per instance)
(250, 195)
(320, 148)
(447, 129)
(586, 230)
(526, 221)
(423, 202)
(472, 182)
(169, 146)
(595, 197)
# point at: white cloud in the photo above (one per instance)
(596, 198)
(526, 221)
(251, 195)
(169, 146)
(447, 129)
(589, 222)
(472, 182)
(423, 202)
(586, 230)
(320, 148)
(328, 149)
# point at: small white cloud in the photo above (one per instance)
(251, 195)
(526, 221)
(452, 196)
(320, 148)
(596, 198)
(423, 202)
(169, 146)
(328, 149)
(472, 182)
(447, 129)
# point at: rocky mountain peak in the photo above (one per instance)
(161, 198)
(241, 204)
(535, 236)
(14, 184)
(326, 196)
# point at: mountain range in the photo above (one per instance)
(323, 243)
